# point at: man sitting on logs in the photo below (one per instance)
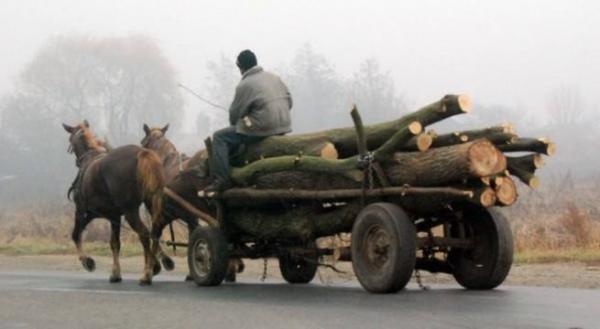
(260, 108)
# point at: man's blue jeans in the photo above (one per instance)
(225, 142)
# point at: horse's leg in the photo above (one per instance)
(81, 221)
(115, 246)
(133, 218)
(155, 234)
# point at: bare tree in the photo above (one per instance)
(565, 105)
(116, 83)
(374, 92)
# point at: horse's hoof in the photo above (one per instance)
(156, 268)
(188, 278)
(168, 263)
(241, 266)
(145, 282)
(230, 276)
(115, 279)
(89, 264)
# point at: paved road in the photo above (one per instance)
(81, 300)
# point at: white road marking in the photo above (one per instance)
(93, 291)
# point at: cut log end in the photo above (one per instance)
(329, 152)
(424, 142)
(534, 182)
(465, 103)
(487, 197)
(485, 159)
(551, 149)
(508, 128)
(538, 161)
(506, 191)
(415, 128)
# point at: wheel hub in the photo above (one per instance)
(201, 257)
(377, 243)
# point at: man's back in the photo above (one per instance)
(265, 101)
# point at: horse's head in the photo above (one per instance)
(82, 140)
(155, 137)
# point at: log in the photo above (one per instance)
(530, 162)
(506, 190)
(525, 176)
(445, 165)
(311, 221)
(246, 175)
(502, 134)
(253, 195)
(540, 145)
(305, 222)
(344, 139)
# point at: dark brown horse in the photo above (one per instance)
(113, 184)
(184, 176)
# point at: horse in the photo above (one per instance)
(185, 177)
(110, 185)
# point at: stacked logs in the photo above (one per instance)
(322, 175)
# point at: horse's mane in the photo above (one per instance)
(91, 140)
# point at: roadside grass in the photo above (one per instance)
(41, 247)
(130, 249)
(584, 255)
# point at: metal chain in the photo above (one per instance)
(264, 274)
(420, 280)
(370, 169)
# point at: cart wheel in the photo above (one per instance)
(384, 242)
(207, 256)
(298, 269)
(487, 264)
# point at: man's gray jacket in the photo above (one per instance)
(262, 104)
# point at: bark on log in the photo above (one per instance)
(344, 139)
(540, 145)
(525, 176)
(445, 165)
(310, 221)
(530, 162)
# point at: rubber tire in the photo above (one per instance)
(493, 247)
(219, 260)
(296, 271)
(401, 263)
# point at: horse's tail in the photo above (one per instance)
(152, 181)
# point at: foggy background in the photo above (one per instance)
(118, 63)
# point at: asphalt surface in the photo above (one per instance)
(81, 300)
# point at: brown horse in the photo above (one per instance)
(184, 176)
(112, 184)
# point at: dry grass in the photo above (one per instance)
(44, 230)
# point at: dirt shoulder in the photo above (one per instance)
(571, 274)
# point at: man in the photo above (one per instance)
(260, 108)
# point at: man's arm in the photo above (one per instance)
(239, 105)
(287, 92)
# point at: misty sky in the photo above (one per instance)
(506, 52)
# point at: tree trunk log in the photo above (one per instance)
(530, 162)
(497, 135)
(541, 145)
(445, 165)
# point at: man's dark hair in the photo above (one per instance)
(246, 60)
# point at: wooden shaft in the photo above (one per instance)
(190, 208)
